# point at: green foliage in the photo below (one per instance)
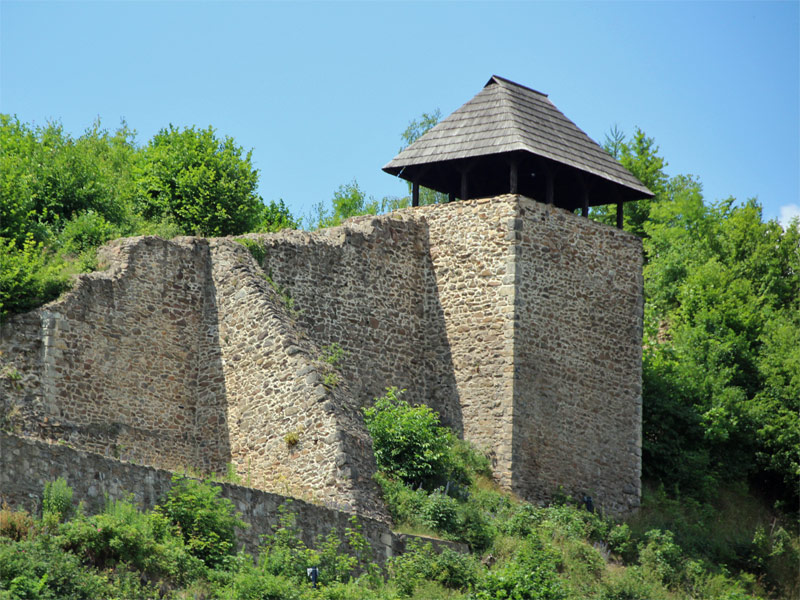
(57, 499)
(29, 276)
(256, 249)
(122, 535)
(274, 217)
(36, 569)
(640, 156)
(409, 443)
(207, 521)
(558, 552)
(202, 183)
(420, 563)
(530, 574)
(660, 555)
(349, 200)
(722, 287)
(339, 560)
(61, 197)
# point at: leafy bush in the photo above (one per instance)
(29, 276)
(620, 542)
(84, 232)
(474, 527)
(15, 524)
(250, 583)
(409, 443)
(420, 563)
(530, 575)
(122, 534)
(440, 512)
(206, 521)
(660, 555)
(403, 503)
(41, 570)
(339, 560)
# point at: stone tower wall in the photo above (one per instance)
(472, 280)
(577, 388)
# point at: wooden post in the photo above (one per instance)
(585, 207)
(414, 194)
(451, 196)
(513, 184)
(619, 214)
(464, 190)
(549, 196)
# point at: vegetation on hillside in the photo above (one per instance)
(185, 547)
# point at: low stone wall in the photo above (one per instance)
(26, 465)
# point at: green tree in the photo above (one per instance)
(721, 331)
(640, 156)
(348, 201)
(275, 216)
(203, 184)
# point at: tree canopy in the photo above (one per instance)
(722, 334)
(201, 183)
(61, 197)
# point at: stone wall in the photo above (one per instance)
(26, 465)
(577, 384)
(361, 286)
(471, 281)
(274, 388)
(520, 323)
(181, 355)
(110, 366)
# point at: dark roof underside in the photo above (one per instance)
(505, 123)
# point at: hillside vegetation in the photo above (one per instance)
(433, 484)
(721, 372)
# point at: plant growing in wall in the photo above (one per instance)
(332, 356)
(292, 439)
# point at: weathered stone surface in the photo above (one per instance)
(520, 323)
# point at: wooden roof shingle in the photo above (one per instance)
(503, 118)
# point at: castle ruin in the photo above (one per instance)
(520, 322)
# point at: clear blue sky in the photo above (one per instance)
(322, 91)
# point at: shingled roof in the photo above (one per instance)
(510, 124)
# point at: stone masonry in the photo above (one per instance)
(519, 322)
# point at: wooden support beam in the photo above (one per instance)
(451, 197)
(464, 185)
(619, 214)
(585, 206)
(414, 194)
(513, 183)
(550, 184)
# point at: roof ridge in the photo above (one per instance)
(501, 80)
